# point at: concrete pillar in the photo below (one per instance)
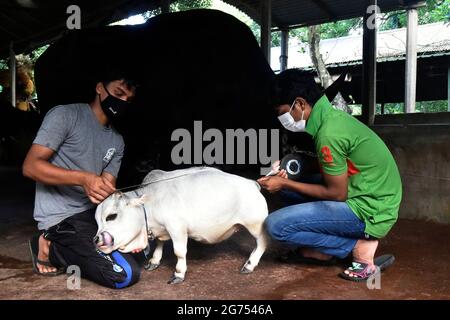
(448, 89)
(284, 49)
(12, 69)
(165, 6)
(369, 67)
(411, 61)
(266, 25)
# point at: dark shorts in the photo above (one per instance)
(72, 245)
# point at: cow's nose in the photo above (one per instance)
(106, 238)
(96, 239)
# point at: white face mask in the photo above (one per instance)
(289, 122)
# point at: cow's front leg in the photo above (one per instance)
(180, 250)
(155, 260)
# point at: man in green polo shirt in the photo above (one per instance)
(358, 197)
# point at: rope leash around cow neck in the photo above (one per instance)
(150, 235)
(138, 186)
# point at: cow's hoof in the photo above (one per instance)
(151, 266)
(245, 269)
(175, 280)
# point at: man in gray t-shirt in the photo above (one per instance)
(80, 142)
(75, 159)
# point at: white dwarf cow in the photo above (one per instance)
(201, 203)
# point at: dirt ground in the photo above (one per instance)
(422, 252)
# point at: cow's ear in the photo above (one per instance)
(139, 201)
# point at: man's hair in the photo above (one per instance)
(116, 74)
(293, 83)
(113, 74)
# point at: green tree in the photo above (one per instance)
(433, 11)
(432, 106)
(3, 65)
(180, 5)
(183, 5)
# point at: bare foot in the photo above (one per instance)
(44, 248)
(364, 251)
(136, 250)
(311, 253)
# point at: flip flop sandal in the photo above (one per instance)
(359, 271)
(384, 261)
(294, 256)
(34, 249)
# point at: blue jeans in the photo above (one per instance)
(329, 227)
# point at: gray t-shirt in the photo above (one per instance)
(80, 143)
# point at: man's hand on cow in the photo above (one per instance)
(97, 188)
(282, 174)
(274, 183)
(276, 166)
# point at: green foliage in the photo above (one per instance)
(356, 109)
(30, 57)
(3, 65)
(256, 32)
(434, 11)
(421, 106)
(432, 106)
(180, 5)
(391, 108)
(183, 5)
(398, 107)
(339, 28)
(301, 34)
(35, 54)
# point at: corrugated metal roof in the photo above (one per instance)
(432, 39)
(286, 13)
(30, 23)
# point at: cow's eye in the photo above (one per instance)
(111, 217)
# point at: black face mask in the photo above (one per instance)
(113, 107)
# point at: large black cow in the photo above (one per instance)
(194, 65)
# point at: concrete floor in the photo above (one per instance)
(421, 248)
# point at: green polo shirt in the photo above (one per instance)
(346, 146)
